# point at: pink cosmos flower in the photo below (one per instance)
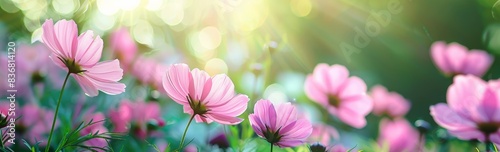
(139, 114)
(123, 46)
(454, 59)
(208, 98)
(98, 119)
(279, 125)
(79, 55)
(399, 135)
(31, 64)
(149, 72)
(36, 121)
(343, 96)
(472, 109)
(388, 103)
(323, 134)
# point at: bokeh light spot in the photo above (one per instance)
(216, 66)
(300, 8)
(210, 37)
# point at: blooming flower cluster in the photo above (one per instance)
(146, 101)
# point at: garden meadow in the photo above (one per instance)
(236, 75)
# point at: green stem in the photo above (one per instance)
(185, 131)
(55, 114)
(271, 147)
(488, 146)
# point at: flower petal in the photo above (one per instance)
(176, 83)
(449, 119)
(89, 49)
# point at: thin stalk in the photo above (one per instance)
(271, 147)
(55, 114)
(185, 131)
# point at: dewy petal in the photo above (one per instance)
(89, 49)
(438, 50)
(176, 83)
(449, 119)
(477, 62)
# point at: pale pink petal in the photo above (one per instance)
(468, 134)
(477, 62)
(200, 84)
(233, 107)
(456, 55)
(385, 102)
(50, 38)
(352, 87)
(351, 117)
(89, 49)
(289, 110)
(123, 45)
(87, 86)
(321, 77)
(176, 83)
(336, 73)
(361, 105)
(489, 105)
(224, 119)
(264, 109)
(106, 71)
(399, 134)
(495, 137)
(302, 128)
(438, 53)
(257, 124)
(222, 90)
(104, 76)
(108, 87)
(314, 92)
(58, 62)
(449, 119)
(465, 94)
(323, 134)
